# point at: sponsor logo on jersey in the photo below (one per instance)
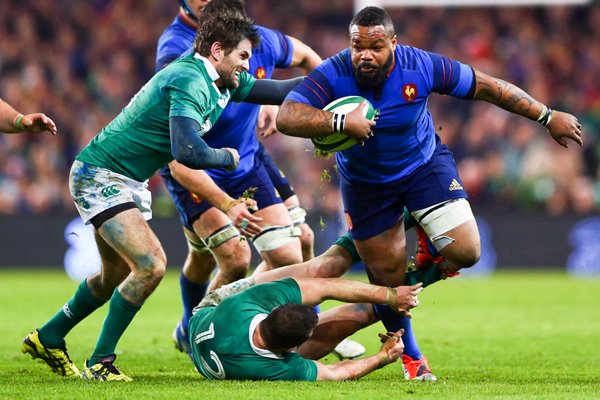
(110, 191)
(349, 221)
(67, 311)
(261, 73)
(455, 185)
(205, 127)
(409, 92)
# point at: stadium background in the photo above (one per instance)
(81, 61)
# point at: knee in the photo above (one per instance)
(152, 267)
(466, 257)
(233, 258)
(307, 239)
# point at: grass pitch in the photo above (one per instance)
(515, 335)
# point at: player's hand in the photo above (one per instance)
(406, 298)
(392, 347)
(243, 219)
(564, 126)
(37, 122)
(236, 158)
(265, 125)
(357, 125)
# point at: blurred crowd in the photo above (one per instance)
(81, 61)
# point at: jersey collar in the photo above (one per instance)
(212, 72)
(258, 318)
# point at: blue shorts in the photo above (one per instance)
(190, 207)
(374, 208)
(279, 180)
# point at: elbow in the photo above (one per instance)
(283, 121)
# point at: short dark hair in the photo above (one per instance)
(288, 326)
(373, 16)
(219, 6)
(226, 27)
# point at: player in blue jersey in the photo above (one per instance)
(210, 217)
(200, 263)
(402, 162)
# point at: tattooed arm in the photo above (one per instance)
(303, 120)
(561, 125)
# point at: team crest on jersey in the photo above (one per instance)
(409, 92)
(224, 99)
(261, 73)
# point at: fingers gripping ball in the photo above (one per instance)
(339, 141)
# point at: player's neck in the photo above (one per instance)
(187, 20)
(257, 339)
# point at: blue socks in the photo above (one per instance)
(191, 294)
(394, 321)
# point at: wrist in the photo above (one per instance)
(17, 121)
(383, 358)
(391, 298)
(338, 122)
(228, 203)
(545, 116)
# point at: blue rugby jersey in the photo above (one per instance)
(236, 126)
(405, 134)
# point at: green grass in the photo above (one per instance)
(515, 335)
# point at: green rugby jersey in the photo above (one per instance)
(137, 142)
(221, 335)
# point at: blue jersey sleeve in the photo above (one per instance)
(452, 77)
(277, 45)
(316, 89)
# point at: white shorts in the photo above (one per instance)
(95, 189)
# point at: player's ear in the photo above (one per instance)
(394, 42)
(216, 51)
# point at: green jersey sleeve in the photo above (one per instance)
(188, 97)
(297, 368)
(246, 84)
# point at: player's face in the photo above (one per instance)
(197, 6)
(233, 64)
(372, 54)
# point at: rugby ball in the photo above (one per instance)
(339, 141)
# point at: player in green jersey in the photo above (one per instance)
(270, 331)
(225, 350)
(12, 121)
(163, 122)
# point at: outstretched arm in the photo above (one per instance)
(316, 290)
(561, 126)
(390, 351)
(271, 91)
(12, 121)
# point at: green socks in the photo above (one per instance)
(82, 304)
(120, 315)
(428, 276)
